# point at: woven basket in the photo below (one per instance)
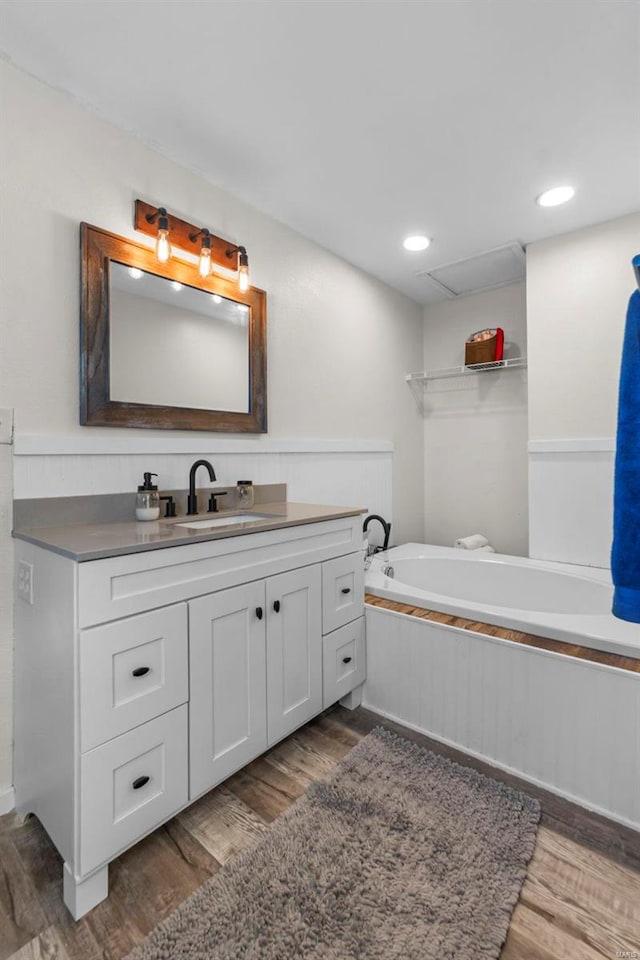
(483, 351)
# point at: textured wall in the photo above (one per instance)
(578, 289)
(475, 427)
(339, 341)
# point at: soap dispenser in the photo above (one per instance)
(147, 499)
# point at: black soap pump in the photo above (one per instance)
(148, 499)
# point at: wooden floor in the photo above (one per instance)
(580, 901)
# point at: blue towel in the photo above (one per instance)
(625, 555)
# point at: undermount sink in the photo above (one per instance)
(224, 521)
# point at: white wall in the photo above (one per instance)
(339, 341)
(578, 288)
(475, 427)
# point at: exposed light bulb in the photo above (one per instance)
(243, 270)
(555, 196)
(176, 286)
(135, 273)
(204, 263)
(163, 247)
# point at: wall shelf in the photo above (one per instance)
(446, 373)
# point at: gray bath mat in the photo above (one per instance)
(398, 855)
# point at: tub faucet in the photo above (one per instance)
(192, 499)
(385, 526)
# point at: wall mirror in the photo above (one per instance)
(162, 347)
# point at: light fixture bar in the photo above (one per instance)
(180, 233)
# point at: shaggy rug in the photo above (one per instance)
(398, 855)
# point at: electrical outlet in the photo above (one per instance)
(25, 581)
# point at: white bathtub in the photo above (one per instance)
(555, 600)
(569, 725)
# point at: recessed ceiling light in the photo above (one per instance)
(555, 196)
(419, 242)
(135, 273)
(176, 286)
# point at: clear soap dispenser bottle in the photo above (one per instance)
(147, 499)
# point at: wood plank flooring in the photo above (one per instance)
(580, 901)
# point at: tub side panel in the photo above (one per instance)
(568, 725)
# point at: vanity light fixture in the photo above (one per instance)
(163, 247)
(243, 267)
(555, 196)
(212, 251)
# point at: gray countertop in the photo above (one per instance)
(97, 541)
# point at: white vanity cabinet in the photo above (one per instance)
(255, 656)
(145, 679)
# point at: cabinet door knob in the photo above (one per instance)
(259, 613)
(346, 590)
(276, 606)
(346, 659)
(140, 782)
(140, 671)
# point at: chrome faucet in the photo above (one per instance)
(192, 499)
(385, 526)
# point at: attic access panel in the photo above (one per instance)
(486, 271)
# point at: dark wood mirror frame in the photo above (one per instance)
(98, 248)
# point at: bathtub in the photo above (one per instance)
(567, 724)
(555, 600)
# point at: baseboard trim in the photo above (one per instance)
(7, 801)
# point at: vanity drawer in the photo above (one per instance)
(343, 661)
(131, 671)
(342, 591)
(130, 785)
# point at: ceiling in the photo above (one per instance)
(362, 121)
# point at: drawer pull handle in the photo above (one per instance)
(259, 613)
(140, 671)
(346, 590)
(140, 782)
(276, 606)
(346, 659)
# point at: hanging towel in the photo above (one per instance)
(625, 554)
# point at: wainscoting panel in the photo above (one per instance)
(344, 472)
(568, 725)
(571, 501)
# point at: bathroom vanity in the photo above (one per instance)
(153, 663)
